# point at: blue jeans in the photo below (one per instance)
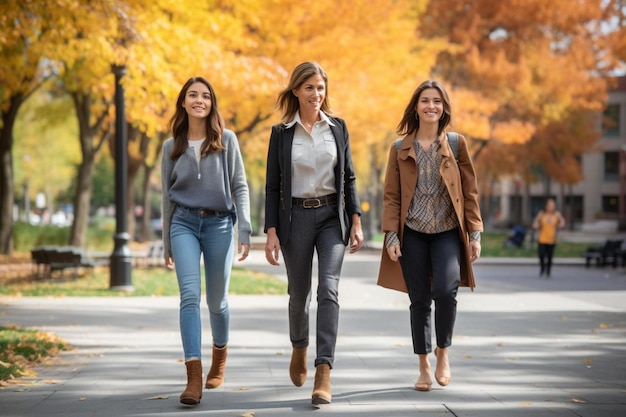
(314, 229)
(192, 234)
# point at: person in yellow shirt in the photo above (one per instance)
(547, 222)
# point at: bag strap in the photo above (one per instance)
(453, 140)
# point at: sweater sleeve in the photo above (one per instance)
(167, 209)
(238, 186)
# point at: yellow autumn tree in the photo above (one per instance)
(371, 53)
(24, 40)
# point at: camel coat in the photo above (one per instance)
(400, 185)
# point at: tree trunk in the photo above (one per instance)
(7, 190)
(91, 139)
(130, 200)
(82, 201)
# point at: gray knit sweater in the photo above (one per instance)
(212, 184)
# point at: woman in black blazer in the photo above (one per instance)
(311, 204)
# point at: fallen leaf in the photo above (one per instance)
(578, 401)
(250, 414)
(605, 325)
(526, 404)
(501, 344)
(159, 397)
(549, 399)
(82, 398)
(588, 360)
(563, 318)
(52, 381)
(243, 388)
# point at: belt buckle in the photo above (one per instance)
(205, 212)
(316, 203)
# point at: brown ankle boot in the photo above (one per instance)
(321, 388)
(215, 378)
(297, 367)
(193, 392)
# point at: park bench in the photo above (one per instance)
(608, 253)
(50, 259)
(153, 256)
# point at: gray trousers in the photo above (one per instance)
(314, 229)
(431, 268)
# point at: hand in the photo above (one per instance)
(272, 247)
(475, 250)
(394, 252)
(356, 237)
(244, 250)
(169, 262)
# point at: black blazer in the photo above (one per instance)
(278, 180)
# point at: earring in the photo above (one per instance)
(416, 116)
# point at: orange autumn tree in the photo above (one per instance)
(525, 70)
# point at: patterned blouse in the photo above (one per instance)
(431, 210)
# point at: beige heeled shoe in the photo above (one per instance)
(442, 376)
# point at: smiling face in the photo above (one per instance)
(430, 106)
(197, 101)
(311, 93)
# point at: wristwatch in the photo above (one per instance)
(475, 236)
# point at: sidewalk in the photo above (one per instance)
(523, 347)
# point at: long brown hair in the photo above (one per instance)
(180, 124)
(410, 122)
(288, 103)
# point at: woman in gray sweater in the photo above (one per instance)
(204, 194)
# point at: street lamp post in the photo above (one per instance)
(120, 278)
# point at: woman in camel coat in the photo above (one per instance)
(430, 215)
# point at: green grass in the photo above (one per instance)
(492, 246)
(22, 348)
(146, 282)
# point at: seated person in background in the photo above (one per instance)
(517, 238)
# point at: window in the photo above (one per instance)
(610, 204)
(610, 120)
(574, 208)
(611, 166)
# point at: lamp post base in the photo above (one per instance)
(120, 278)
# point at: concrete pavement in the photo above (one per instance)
(523, 346)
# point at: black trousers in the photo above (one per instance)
(431, 268)
(546, 253)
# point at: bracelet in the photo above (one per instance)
(475, 236)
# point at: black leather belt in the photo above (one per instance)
(207, 212)
(203, 212)
(314, 202)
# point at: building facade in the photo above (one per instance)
(597, 203)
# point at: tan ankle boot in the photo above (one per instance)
(215, 378)
(297, 367)
(321, 388)
(193, 392)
